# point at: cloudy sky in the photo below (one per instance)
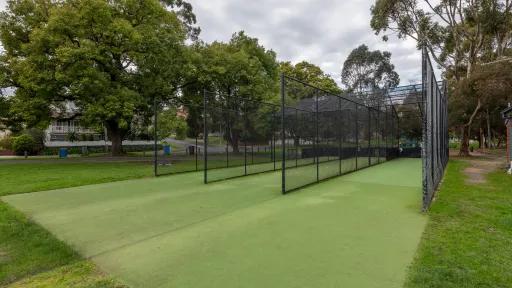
(319, 31)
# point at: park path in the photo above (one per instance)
(482, 163)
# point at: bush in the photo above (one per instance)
(24, 143)
(6, 143)
(181, 130)
(39, 137)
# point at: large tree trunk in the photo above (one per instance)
(464, 143)
(489, 136)
(116, 136)
(481, 143)
(466, 129)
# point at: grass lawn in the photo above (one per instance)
(28, 176)
(360, 230)
(29, 255)
(468, 240)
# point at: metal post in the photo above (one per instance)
(341, 136)
(386, 137)
(205, 136)
(155, 136)
(369, 135)
(245, 137)
(283, 135)
(196, 152)
(298, 142)
(379, 131)
(357, 134)
(317, 141)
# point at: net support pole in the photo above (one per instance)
(244, 109)
(205, 136)
(317, 140)
(341, 136)
(357, 134)
(155, 136)
(283, 135)
(379, 135)
(369, 136)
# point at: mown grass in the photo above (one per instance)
(31, 257)
(30, 177)
(468, 240)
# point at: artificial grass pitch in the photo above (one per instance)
(358, 230)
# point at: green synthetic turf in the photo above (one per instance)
(358, 230)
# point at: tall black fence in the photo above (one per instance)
(435, 151)
(241, 136)
(327, 135)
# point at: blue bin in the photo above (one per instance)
(63, 153)
(167, 149)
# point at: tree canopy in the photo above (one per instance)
(311, 74)
(110, 58)
(239, 68)
(460, 35)
(368, 70)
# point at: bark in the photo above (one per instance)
(464, 147)
(481, 143)
(489, 136)
(464, 144)
(116, 135)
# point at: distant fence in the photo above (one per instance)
(327, 135)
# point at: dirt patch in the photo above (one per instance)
(482, 163)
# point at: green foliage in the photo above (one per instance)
(170, 123)
(310, 74)
(6, 142)
(368, 70)
(240, 68)
(38, 135)
(72, 136)
(109, 57)
(181, 129)
(23, 143)
(459, 35)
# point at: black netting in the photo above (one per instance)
(435, 132)
(241, 136)
(328, 135)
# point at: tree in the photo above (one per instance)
(492, 85)
(311, 74)
(458, 35)
(241, 68)
(366, 70)
(111, 58)
(170, 123)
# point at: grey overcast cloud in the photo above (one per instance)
(322, 32)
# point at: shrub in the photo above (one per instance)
(6, 143)
(181, 130)
(39, 137)
(23, 143)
